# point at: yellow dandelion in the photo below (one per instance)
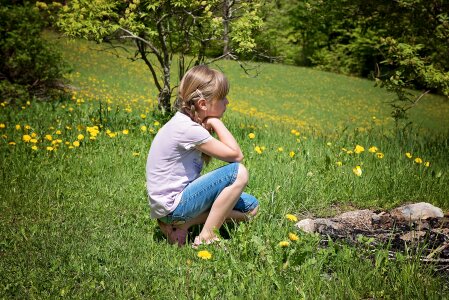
(128, 109)
(258, 149)
(357, 171)
(204, 254)
(293, 131)
(339, 163)
(358, 149)
(27, 127)
(80, 137)
(33, 141)
(156, 123)
(12, 143)
(291, 217)
(251, 135)
(284, 244)
(136, 153)
(143, 116)
(112, 134)
(58, 132)
(18, 127)
(143, 128)
(125, 131)
(33, 134)
(26, 138)
(379, 155)
(418, 160)
(280, 149)
(49, 148)
(34, 148)
(408, 154)
(2, 126)
(48, 137)
(373, 149)
(329, 144)
(293, 237)
(349, 152)
(292, 154)
(67, 143)
(76, 143)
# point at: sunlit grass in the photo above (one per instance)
(74, 214)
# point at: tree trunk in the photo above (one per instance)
(227, 13)
(164, 96)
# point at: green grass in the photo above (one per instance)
(75, 220)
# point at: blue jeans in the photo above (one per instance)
(198, 196)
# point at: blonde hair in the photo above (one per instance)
(200, 82)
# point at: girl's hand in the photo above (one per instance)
(210, 122)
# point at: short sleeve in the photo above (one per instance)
(194, 135)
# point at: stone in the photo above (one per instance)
(306, 225)
(416, 211)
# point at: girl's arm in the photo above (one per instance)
(225, 147)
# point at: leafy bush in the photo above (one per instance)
(29, 65)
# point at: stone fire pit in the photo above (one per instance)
(413, 226)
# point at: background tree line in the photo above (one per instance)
(402, 44)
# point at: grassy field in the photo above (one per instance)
(74, 214)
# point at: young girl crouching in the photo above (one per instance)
(179, 197)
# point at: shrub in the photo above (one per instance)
(29, 65)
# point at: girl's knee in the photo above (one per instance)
(242, 176)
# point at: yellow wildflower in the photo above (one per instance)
(80, 137)
(379, 155)
(329, 144)
(12, 143)
(128, 109)
(156, 123)
(373, 149)
(143, 116)
(258, 149)
(2, 125)
(358, 149)
(26, 138)
(136, 153)
(357, 171)
(291, 217)
(33, 134)
(125, 131)
(112, 134)
(143, 128)
(48, 137)
(293, 237)
(49, 148)
(58, 132)
(339, 163)
(33, 141)
(408, 154)
(18, 127)
(280, 149)
(427, 164)
(204, 254)
(292, 154)
(418, 160)
(284, 244)
(349, 152)
(76, 143)
(27, 127)
(251, 135)
(34, 148)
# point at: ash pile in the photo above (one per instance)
(419, 226)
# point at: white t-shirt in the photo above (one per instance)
(173, 162)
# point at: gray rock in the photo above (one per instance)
(306, 225)
(416, 211)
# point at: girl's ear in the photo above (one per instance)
(202, 104)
